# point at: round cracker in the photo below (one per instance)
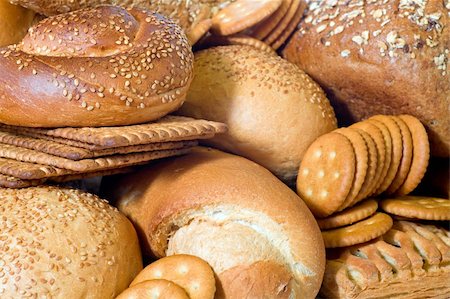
(326, 173)
(241, 39)
(419, 207)
(190, 272)
(242, 14)
(359, 232)
(281, 26)
(397, 148)
(156, 288)
(362, 160)
(349, 216)
(262, 30)
(407, 153)
(198, 31)
(380, 144)
(291, 26)
(421, 155)
(371, 170)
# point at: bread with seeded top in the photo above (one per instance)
(105, 66)
(380, 57)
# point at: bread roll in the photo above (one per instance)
(273, 110)
(95, 67)
(14, 23)
(258, 236)
(380, 57)
(62, 243)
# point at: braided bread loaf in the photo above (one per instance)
(95, 67)
(258, 236)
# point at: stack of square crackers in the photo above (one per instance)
(32, 156)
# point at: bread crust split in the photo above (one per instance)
(251, 228)
(410, 261)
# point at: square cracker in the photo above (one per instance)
(7, 181)
(169, 128)
(77, 153)
(85, 165)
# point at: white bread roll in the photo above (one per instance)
(273, 110)
(258, 235)
(63, 243)
(14, 22)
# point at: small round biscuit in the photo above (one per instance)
(407, 154)
(421, 155)
(380, 144)
(198, 31)
(418, 207)
(397, 148)
(359, 232)
(263, 29)
(242, 14)
(190, 272)
(326, 174)
(284, 23)
(281, 39)
(154, 289)
(349, 216)
(362, 163)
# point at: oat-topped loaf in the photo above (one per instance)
(380, 57)
(409, 261)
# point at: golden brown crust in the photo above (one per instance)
(14, 23)
(170, 202)
(394, 55)
(98, 67)
(62, 243)
(411, 262)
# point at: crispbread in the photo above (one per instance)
(421, 155)
(349, 216)
(169, 128)
(418, 207)
(85, 165)
(190, 272)
(326, 174)
(86, 175)
(359, 232)
(7, 181)
(29, 171)
(77, 153)
(404, 264)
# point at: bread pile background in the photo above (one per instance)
(327, 168)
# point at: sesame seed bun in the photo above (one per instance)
(257, 234)
(62, 243)
(14, 23)
(105, 66)
(273, 110)
(380, 57)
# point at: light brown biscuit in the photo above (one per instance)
(86, 175)
(241, 39)
(195, 33)
(421, 155)
(349, 216)
(29, 171)
(241, 15)
(154, 289)
(359, 232)
(290, 27)
(169, 128)
(262, 30)
(85, 165)
(370, 179)
(418, 207)
(326, 174)
(282, 25)
(362, 160)
(77, 153)
(407, 153)
(7, 181)
(190, 272)
(397, 148)
(380, 144)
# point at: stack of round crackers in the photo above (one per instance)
(265, 24)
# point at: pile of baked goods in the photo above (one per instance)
(323, 165)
